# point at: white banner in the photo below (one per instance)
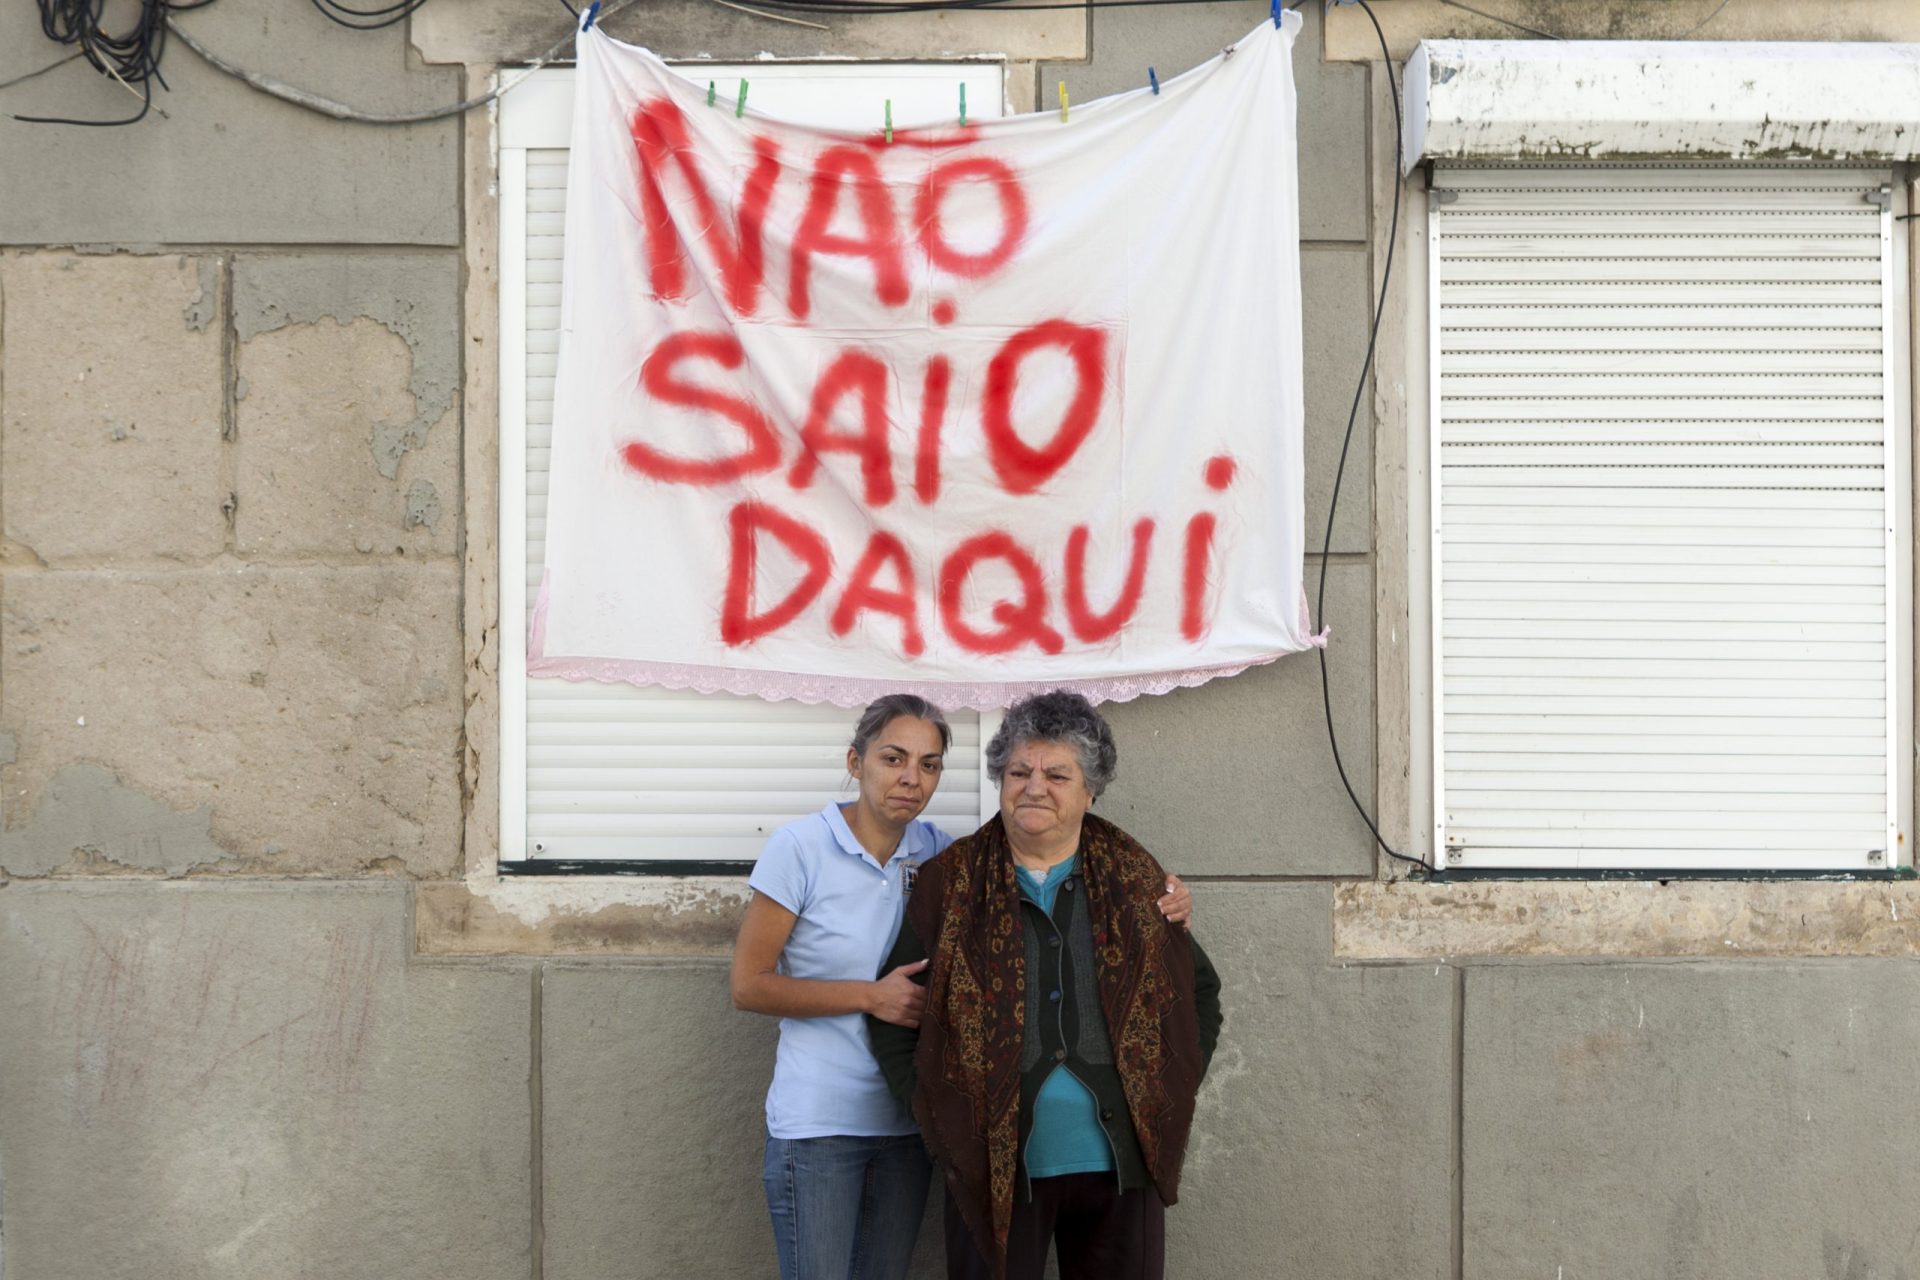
(983, 408)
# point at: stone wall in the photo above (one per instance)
(265, 1010)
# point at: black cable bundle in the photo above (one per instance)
(367, 19)
(132, 58)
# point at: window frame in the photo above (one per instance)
(1425, 795)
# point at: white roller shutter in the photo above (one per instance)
(612, 773)
(1667, 469)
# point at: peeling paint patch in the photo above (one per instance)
(415, 295)
(88, 820)
(204, 307)
(423, 505)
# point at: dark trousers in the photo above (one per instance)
(1103, 1233)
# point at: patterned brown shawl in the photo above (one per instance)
(965, 907)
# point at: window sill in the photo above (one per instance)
(488, 914)
(1405, 920)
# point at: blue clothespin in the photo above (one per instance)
(1153, 80)
(1276, 13)
(586, 23)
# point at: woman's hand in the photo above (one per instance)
(897, 998)
(760, 987)
(1177, 906)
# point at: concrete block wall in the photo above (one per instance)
(236, 484)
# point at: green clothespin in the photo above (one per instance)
(889, 119)
(712, 89)
(740, 107)
(963, 103)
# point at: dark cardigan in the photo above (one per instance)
(1060, 957)
(1066, 1029)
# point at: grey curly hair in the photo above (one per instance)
(1060, 716)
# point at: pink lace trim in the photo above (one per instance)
(847, 691)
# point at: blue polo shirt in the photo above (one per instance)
(825, 1081)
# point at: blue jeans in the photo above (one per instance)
(845, 1208)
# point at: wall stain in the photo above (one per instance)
(88, 820)
(423, 505)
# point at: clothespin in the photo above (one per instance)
(586, 23)
(1063, 102)
(1276, 14)
(712, 90)
(963, 102)
(740, 107)
(1153, 80)
(889, 119)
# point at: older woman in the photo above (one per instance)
(1067, 1026)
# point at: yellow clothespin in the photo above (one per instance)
(1063, 102)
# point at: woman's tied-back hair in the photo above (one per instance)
(882, 712)
(1060, 716)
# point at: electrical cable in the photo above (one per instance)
(771, 17)
(1505, 22)
(1360, 389)
(341, 111)
(132, 57)
(366, 19)
(1694, 30)
(37, 72)
(1688, 34)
